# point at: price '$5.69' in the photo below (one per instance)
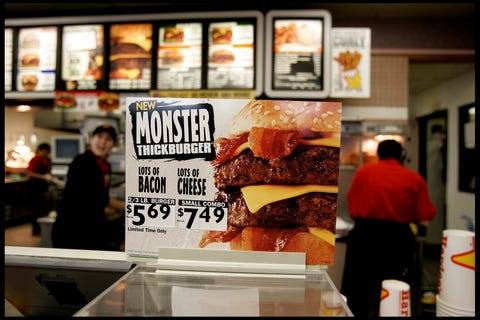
(152, 212)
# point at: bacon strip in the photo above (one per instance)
(264, 143)
(213, 236)
(225, 148)
(271, 143)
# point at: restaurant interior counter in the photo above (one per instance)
(58, 282)
(175, 288)
(61, 282)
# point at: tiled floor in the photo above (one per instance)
(21, 235)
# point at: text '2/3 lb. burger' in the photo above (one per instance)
(278, 171)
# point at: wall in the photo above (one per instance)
(450, 96)
(17, 123)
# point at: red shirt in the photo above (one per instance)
(387, 190)
(105, 167)
(39, 165)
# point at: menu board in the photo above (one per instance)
(180, 56)
(130, 56)
(231, 55)
(8, 58)
(82, 56)
(350, 62)
(37, 58)
(202, 173)
(297, 53)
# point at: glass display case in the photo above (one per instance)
(149, 290)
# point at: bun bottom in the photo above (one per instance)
(29, 87)
(317, 250)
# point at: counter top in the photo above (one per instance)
(9, 179)
(149, 290)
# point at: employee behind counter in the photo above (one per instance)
(83, 220)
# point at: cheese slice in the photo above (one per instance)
(257, 196)
(240, 148)
(323, 234)
(328, 142)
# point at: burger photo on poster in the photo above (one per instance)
(65, 100)
(173, 35)
(109, 101)
(222, 56)
(171, 57)
(29, 82)
(278, 171)
(221, 35)
(30, 60)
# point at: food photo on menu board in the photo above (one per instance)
(130, 56)
(86, 100)
(180, 56)
(231, 55)
(82, 56)
(298, 50)
(232, 174)
(36, 66)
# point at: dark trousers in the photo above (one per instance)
(37, 189)
(376, 250)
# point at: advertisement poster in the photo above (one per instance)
(37, 58)
(351, 62)
(232, 174)
(82, 57)
(180, 56)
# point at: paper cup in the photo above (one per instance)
(456, 285)
(395, 299)
(332, 304)
(444, 309)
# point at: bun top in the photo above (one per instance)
(141, 30)
(288, 115)
(109, 95)
(222, 52)
(137, 34)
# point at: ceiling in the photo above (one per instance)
(422, 75)
(337, 9)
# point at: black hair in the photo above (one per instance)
(44, 146)
(390, 149)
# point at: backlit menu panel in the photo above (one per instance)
(37, 57)
(130, 56)
(231, 55)
(82, 56)
(180, 56)
(8, 58)
(297, 54)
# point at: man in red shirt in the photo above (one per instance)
(39, 175)
(383, 199)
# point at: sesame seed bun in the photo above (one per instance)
(287, 115)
